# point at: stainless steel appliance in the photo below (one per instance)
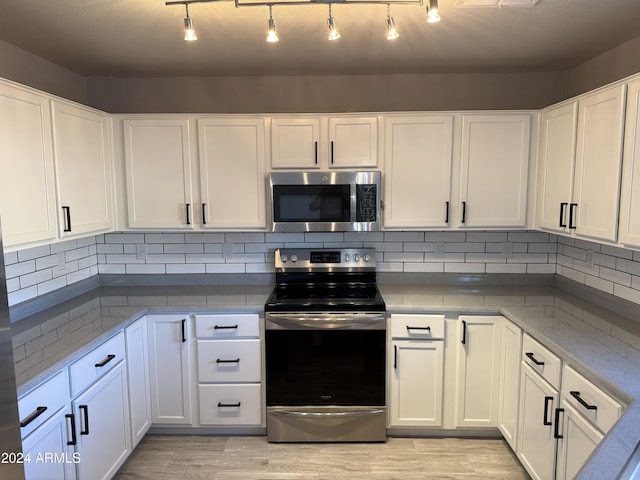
(325, 348)
(324, 201)
(10, 441)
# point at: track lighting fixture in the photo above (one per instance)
(331, 23)
(189, 32)
(433, 13)
(272, 35)
(392, 33)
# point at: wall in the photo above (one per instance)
(329, 93)
(28, 69)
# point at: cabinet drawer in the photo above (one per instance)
(96, 363)
(592, 403)
(417, 326)
(41, 403)
(228, 326)
(230, 404)
(229, 361)
(540, 359)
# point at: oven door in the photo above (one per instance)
(325, 383)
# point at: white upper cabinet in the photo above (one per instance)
(581, 160)
(158, 171)
(557, 153)
(295, 142)
(494, 170)
(353, 142)
(27, 189)
(232, 172)
(629, 229)
(82, 149)
(417, 174)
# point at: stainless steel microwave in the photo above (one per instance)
(325, 201)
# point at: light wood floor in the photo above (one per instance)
(164, 457)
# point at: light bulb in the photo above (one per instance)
(392, 33)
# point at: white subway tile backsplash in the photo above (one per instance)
(34, 271)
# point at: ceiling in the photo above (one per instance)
(145, 37)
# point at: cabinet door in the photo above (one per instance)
(494, 170)
(81, 142)
(232, 172)
(629, 230)
(27, 191)
(557, 155)
(102, 425)
(295, 143)
(478, 386)
(579, 440)
(50, 457)
(417, 379)
(158, 169)
(598, 164)
(353, 142)
(138, 379)
(418, 171)
(536, 442)
(170, 369)
(509, 382)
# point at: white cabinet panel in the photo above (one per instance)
(353, 142)
(82, 152)
(557, 154)
(536, 442)
(232, 172)
(27, 189)
(295, 142)
(229, 361)
(417, 176)
(598, 164)
(629, 229)
(417, 379)
(136, 340)
(230, 404)
(96, 363)
(158, 171)
(477, 394)
(170, 369)
(494, 170)
(510, 382)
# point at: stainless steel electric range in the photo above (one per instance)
(325, 348)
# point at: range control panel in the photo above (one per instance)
(326, 258)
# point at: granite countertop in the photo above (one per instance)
(602, 344)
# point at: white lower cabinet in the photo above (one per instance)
(170, 369)
(49, 450)
(536, 441)
(416, 370)
(478, 372)
(510, 382)
(138, 379)
(229, 359)
(102, 425)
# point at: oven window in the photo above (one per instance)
(325, 367)
(311, 203)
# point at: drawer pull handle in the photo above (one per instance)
(428, 329)
(534, 359)
(576, 395)
(546, 411)
(35, 414)
(556, 430)
(225, 327)
(105, 361)
(85, 416)
(74, 439)
(229, 405)
(219, 360)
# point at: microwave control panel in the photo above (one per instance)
(366, 202)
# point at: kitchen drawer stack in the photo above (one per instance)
(229, 369)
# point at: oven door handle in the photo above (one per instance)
(334, 321)
(348, 414)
